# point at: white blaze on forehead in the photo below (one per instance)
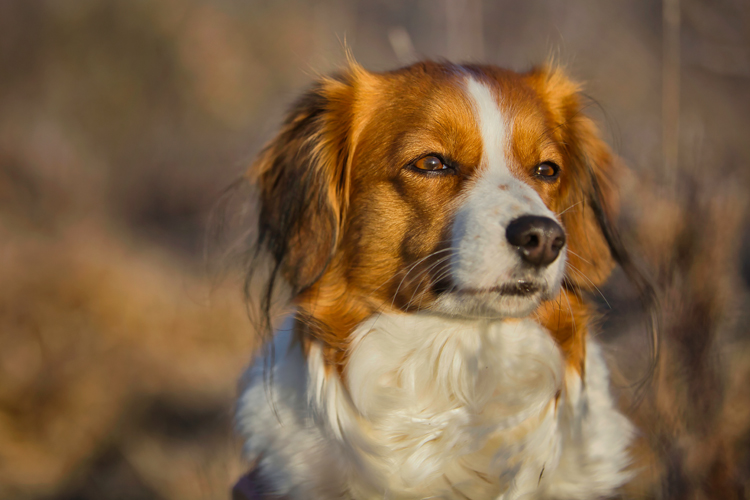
(483, 260)
(493, 126)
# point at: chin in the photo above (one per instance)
(437, 228)
(511, 300)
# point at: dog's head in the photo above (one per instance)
(467, 190)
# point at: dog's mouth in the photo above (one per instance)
(518, 288)
(521, 288)
(513, 298)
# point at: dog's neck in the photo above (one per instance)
(436, 399)
(568, 318)
(326, 318)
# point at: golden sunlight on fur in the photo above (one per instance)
(348, 240)
(441, 221)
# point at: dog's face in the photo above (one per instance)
(467, 190)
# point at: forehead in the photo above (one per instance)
(453, 110)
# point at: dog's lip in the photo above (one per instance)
(519, 288)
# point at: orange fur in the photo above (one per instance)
(568, 319)
(362, 241)
(592, 162)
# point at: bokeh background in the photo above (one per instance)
(122, 122)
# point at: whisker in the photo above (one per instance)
(570, 310)
(572, 284)
(441, 274)
(424, 275)
(411, 268)
(573, 205)
(581, 274)
(578, 255)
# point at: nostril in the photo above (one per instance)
(537, 239)
(558, 243)
(531, 241)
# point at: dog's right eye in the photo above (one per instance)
(430, 164)
(547, 171)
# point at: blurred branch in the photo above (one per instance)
(720, 59)
(720, 41)
(464, 30)
(671, 89)
(402, 45)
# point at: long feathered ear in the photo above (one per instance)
(303, 176)
(589, 199)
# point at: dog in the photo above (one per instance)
(436, 228)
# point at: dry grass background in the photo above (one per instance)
(121, 122)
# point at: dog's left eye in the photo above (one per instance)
(430, 164)
(547, 171)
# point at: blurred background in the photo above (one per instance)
(122, 122)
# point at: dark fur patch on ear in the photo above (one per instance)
(295, 211)
(639, 279)
(598, 166)
(299, 175)
(301, 180)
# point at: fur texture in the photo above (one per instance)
(428, 356)
(437, 408)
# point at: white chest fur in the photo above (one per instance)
(436, 408)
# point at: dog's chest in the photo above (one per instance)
(431, 407)
(457, 406)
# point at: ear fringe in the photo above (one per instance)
(352, 66)
(302, 179)
(554, 82)
(643, 284)
(593, 168)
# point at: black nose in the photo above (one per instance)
(538, 239)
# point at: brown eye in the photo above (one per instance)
(547, 171)
(430, 163)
